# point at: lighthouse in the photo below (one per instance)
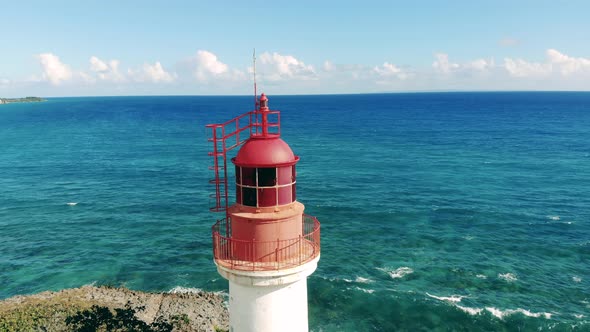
(266, 246)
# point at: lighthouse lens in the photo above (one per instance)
(249, 196)
(248, 176)
(267, 177)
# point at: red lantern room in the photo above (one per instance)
(265, 168)
(265, 228)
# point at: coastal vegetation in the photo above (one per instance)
(107, 308)
(21, 100)
(99, 318)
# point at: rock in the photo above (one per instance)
(47, 311)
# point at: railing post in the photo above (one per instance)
(277, 253)
(253, 244)
(300, 252)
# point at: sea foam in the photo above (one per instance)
(362, 280)
(72, 203)
(471, 311)
(184, 290)
(397, 273)
(452, 298)
(503, 313)
(368, 291)
(510, 277)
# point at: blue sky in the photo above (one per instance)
(72, 48)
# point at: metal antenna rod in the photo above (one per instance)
(255, 94)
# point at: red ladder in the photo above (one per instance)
(226, 137)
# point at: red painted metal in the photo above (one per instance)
(228, 135)
(267, 229)
(252, 255)
(265, 152)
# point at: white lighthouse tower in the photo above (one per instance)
(266, 247)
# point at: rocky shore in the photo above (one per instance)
(48, 311)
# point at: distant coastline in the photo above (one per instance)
(21, 100)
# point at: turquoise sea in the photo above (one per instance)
(439, 211)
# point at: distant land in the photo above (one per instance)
(21, 100)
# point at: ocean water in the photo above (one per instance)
(439, 211)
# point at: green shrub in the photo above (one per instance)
(124, 320)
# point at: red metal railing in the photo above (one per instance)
(227, 136)
(265, 255)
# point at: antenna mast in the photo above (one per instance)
(255, 94)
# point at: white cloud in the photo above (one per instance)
(98, 65)
(390, 70)
(556, 62)
(442, 63)
(207, 65)
(4, 82)
(106, 71)
(328, 66)
(54, 70)
(522, 68)
(276, 67)
(387, 69)
(281, 73)
(152, 73)
(566, 64)
(209, 70)
(480, 64)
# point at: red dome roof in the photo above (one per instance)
(265, 152)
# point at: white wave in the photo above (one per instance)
(222, 293)
(452, 298)
(481, 276)
(496, 312)
(184, 290)
(356, 280)
(469, 237)
(359, 280)
(362, 280)
(554, 217)
(72, 203)
(576, 279)
(501, 314)
(508, 277)
(333, 279)
(368, 291)
(579, 316)
(471, 311)
(397, 273)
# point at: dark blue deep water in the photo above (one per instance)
(450, 211)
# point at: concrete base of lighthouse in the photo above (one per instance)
(264, 301)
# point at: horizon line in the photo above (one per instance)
(319, 94)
